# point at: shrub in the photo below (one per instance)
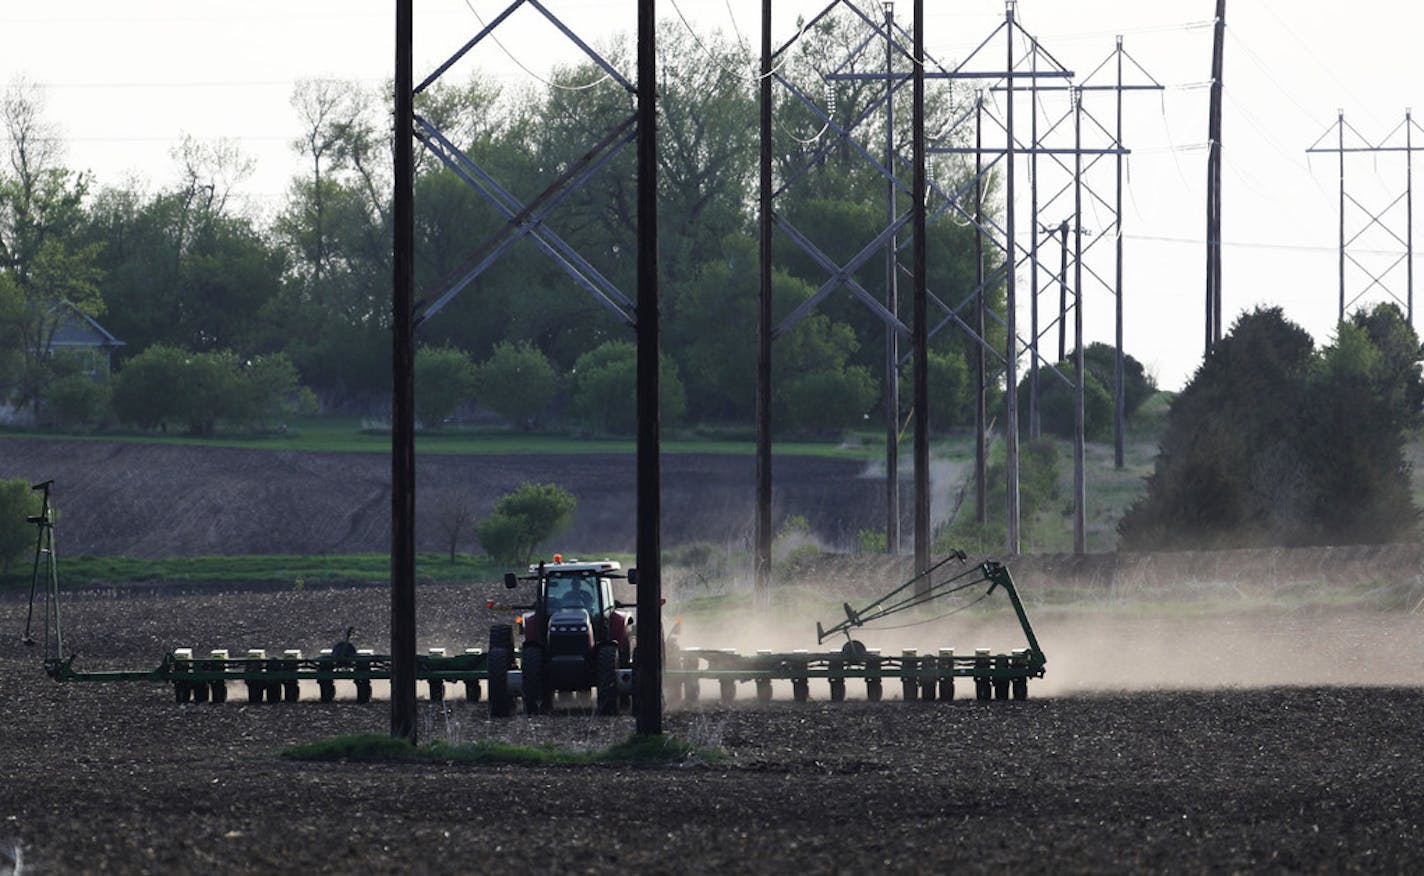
(605, 389)
(76, 401)
(517, 382)
(524, 519)
(444, 379)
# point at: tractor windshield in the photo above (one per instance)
(572, 592)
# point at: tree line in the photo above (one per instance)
(189, 280)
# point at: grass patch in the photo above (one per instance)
(376, 748)
(295, 571)
(347, 435)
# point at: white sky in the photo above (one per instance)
(125, 80)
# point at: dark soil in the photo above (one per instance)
(158, 500)
(118, 778)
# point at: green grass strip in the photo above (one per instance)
(378, 748)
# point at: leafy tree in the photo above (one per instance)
(605, 389)
(1057, 402)
(1101, 362)
(17, 502)
(444, 379)
(40, 209)
(1273, 443)
(523, 520)
(517, 382)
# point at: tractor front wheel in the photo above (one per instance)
(607, 668)
(500, 702)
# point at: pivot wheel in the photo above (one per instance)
(326, 690)
(1020, 688)
(729, 690)
(838, 690)
(472, 690)
(763, 687)
(606, 666)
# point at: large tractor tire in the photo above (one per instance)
(607, 668)
(537, 699)
(501, 703)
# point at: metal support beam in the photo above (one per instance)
(920, 321)
(762, 561)
(892, 303)
(403, 723)
(1213, 185)
(1080, 542)
(1011, 351)
(649, 671)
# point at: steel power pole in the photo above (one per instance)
(1213, 185)
(981, 407)
(403, 723)
(1011, 352)
(1080, 539)
(762, 572)
(892, 303)
(1119, 378)
(649, 672)
(920, 328)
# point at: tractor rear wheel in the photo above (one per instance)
(606, 662)
(500, 702)
(532, 664)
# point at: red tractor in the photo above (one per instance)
(575, 637)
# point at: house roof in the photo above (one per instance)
(84, 331)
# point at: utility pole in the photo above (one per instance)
(892, 303)
(981, 408)
(1379, 278)
(403, 723)
(921, 308)
(649, 672)
(1011, 403)
(1213, 185)
(1080, 540)
(761, 584)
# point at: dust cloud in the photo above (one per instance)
(1096, 645)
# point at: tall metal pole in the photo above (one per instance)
(1035, 427)
(1080, 543)
(1220, 84)
(1063, 290)
(1409, 215)
(921, 310)
(892, 303)
(1340, 131)
(403, 722)
(1213, 185)
(1119, 377)
(650, 628)
(981, 407)
(762, 571)
(1011, 385)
